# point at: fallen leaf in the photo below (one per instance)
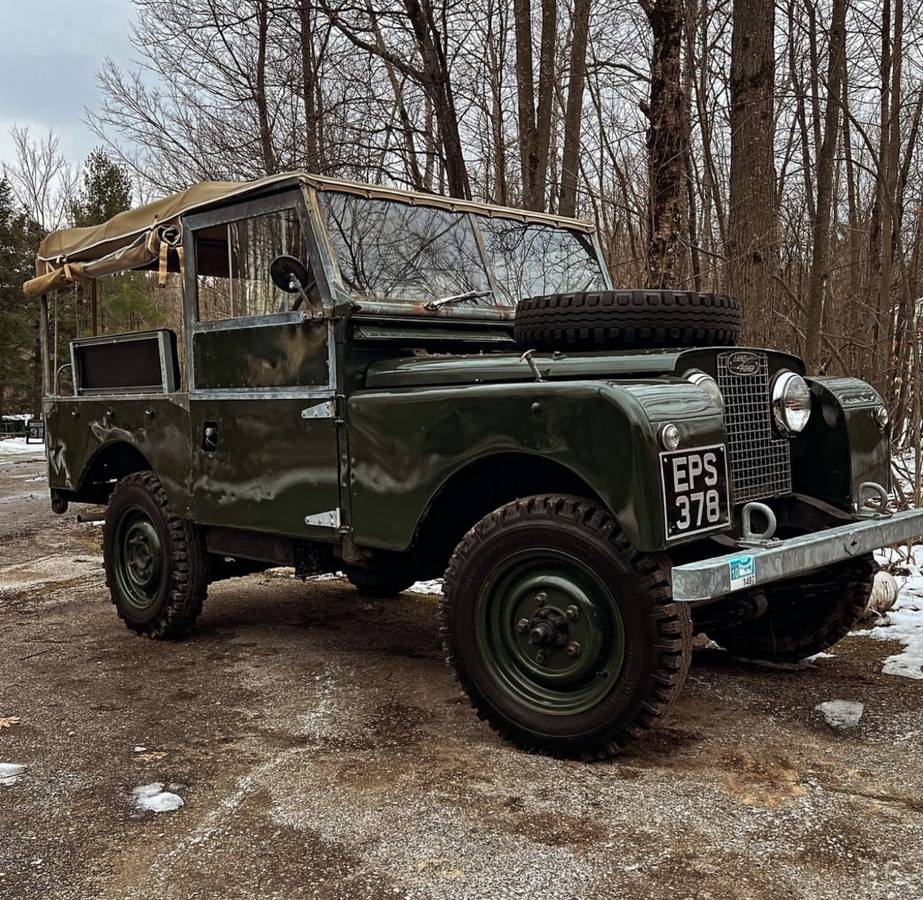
(151, 756)
(8, 721)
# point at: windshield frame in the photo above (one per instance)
(493, 309)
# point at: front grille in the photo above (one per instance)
(760, 461)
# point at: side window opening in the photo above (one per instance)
(132, 302)
(232, 265)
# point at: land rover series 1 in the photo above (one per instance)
(398, 386)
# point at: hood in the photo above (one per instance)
(486, 368)
(498, 367)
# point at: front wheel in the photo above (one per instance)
(155, 562)
(564, 638)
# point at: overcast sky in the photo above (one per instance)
(51, 52)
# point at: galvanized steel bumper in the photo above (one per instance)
(752, 566)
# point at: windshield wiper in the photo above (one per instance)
(457, 298)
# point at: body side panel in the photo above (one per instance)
(406, 444)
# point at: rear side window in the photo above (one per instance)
(394, 251)
(232, 265)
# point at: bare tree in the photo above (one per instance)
(751, 249)
(42, 179)
(535, 121)
(667, 145)
(825, 160)
(573, 117)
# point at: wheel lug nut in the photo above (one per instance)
(572, 613)
(541, 598)
(573, 649)
(522, 626)
(541, 657)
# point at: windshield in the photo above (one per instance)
(530, 260)
(393, 251)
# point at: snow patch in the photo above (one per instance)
(17, 446)
(841, 713)
(427, 587)
(153, 798)
(903, 623)
(10, 772)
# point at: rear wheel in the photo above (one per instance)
(804, 616)
(155, 561)
(564, 638)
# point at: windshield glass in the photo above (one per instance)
(388, 250)
(393, 251)
(530, 260)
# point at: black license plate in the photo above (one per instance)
(695, 490)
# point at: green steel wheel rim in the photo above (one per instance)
(139, 560)
(549, 631)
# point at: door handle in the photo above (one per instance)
(210, 437)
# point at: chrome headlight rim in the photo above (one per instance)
(790, 420)
(707, 383)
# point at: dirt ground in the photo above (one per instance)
(322, 749)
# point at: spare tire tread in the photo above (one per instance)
(635, 319)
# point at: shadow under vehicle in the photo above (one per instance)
(400, 386)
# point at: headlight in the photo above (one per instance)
(791, 402)
(708, 383)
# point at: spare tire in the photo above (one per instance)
(627, 320)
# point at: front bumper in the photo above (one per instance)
(775, 561)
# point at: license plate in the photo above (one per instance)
(695, 490)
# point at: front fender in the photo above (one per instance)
(406, 444)
(842, 445)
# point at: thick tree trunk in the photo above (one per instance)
(573, 115)
(667, 144)
(534, 123)
(825, 161)
(751, 249)
(438, 86)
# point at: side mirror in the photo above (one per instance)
(292, 276)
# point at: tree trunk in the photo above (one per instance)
(309, 85)
(825, 161)
(667, 144)
(438, 86)
(752, 240)
(534, 124)
(573, 116)
(262, 105)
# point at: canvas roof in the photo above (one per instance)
(136, 238)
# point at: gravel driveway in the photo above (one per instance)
(320, 749)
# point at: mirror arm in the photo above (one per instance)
(298, 287)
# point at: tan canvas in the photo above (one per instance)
(134, 239)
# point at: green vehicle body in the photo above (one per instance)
(357, 430)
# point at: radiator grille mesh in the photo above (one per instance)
(760, 461)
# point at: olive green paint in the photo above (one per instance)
(842, 446)
(407, 444)
(284, 355)
(272, 467)
(80, 431)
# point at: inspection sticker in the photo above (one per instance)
(743, 572)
